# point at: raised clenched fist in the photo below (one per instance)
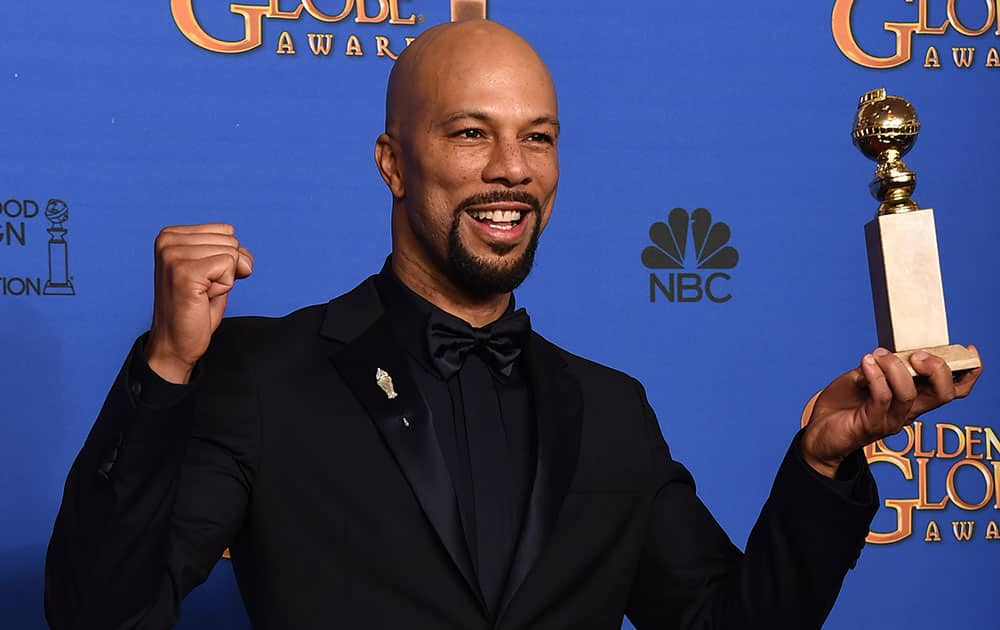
(196, 267)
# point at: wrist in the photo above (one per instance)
(826, 465)
(167, 365)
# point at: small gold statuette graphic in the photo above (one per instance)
(468, 10)
(902, 243)
(384, 381)
(59, 282)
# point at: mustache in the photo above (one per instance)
(498, 196)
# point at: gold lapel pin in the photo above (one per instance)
(384, 381)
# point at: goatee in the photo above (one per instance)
(482, 277)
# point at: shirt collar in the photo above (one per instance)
(407, 313)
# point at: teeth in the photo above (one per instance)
(497, 216)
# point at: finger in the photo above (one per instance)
(966, 381)
(858, 377)
(879, 394)
(169, 239)
(244, 266)
(220, 289)
(942, 386)
(217, 309)
(218, 272)
(221, 228)
(904, 391)
(176, 254)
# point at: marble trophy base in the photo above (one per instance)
(959, 358)
(907, 290)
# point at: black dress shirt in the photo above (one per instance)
(448, 401)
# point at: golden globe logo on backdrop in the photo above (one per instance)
(909, 37)
(948, 465)
(945, 466)
(319, 44)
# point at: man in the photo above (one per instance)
(410, 455)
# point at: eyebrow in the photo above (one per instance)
(481, 116)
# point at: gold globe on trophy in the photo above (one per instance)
(902, 242)
(885, 129)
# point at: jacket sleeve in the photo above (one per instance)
(808, 535)
(157, 492)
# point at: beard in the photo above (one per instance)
(483, 277)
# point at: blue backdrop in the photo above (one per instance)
(741, 108)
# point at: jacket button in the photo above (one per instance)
(104, 470)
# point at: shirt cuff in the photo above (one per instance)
(145, 386)
(852, 481)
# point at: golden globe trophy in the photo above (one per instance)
(902, 243)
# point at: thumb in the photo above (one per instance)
(244, 263)
(217, 309)
(219, 272)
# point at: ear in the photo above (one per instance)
(388, 158)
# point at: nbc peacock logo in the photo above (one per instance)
(709, 250)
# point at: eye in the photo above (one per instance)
(469, 134)
(542, 138)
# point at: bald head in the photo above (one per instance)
(470, 155)
(448, 54)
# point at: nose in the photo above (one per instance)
(507, 165)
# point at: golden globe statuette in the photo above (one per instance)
(902, 243)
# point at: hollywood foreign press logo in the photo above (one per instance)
(689, 242)
(17, 241)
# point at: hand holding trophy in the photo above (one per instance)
(902, 243)
(879, 398)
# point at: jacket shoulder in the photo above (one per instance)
(302, 318)
(302, 321)
(588, 370)
(337, 320)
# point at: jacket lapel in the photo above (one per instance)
(558, 412)
(403, 420)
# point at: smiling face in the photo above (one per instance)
(470, 154)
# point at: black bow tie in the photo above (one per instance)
(450, 340)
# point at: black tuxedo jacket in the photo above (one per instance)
(340, 513)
